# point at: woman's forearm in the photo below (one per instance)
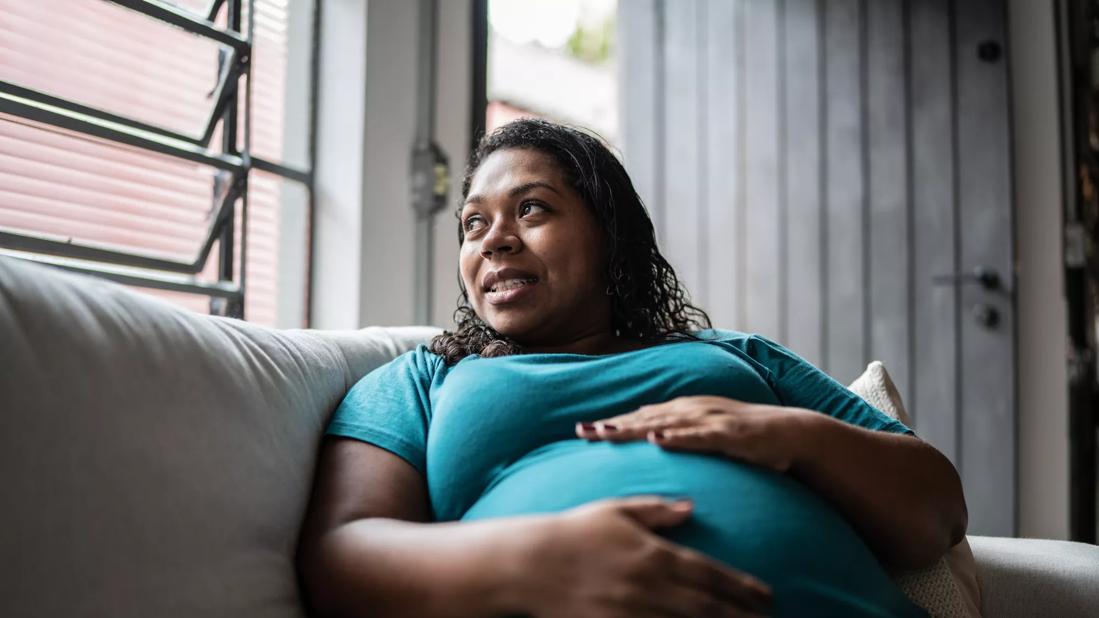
(902, 495)
(387, 567)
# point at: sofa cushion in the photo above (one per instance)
(1037, 577)
(948, 588)
(157, 462)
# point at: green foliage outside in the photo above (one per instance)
(592, 44)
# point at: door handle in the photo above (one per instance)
(983, 276)
(986, 315)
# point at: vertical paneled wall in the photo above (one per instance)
(770, 139)
(819, 170)
(933, 214)
(803, 181)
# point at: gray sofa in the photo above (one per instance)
(158, 463)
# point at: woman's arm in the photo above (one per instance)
(366, 550)
(901, 495)
(362, 553)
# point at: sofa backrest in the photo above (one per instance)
(157, 462)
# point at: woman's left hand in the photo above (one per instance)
(765, 435)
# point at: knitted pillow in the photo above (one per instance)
(947, 588)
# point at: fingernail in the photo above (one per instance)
(609, 427)
(587, 426)
(658, 435)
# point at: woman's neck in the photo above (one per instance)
(594, 343)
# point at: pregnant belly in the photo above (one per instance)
(758, 521)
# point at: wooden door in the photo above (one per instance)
(834, 174)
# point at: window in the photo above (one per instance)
(542, 54)
(130, 130)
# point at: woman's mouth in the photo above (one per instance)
(510, 290)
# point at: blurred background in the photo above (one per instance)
(902, 180)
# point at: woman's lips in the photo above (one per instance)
(512, 292)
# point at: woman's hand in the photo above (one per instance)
(768, 436)
(901, 495)
(602, 559)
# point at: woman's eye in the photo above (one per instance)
(527, 207)
(472, 223)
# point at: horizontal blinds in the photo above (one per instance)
(269, 79)
(102, 55)
(108, 57)
(57, 182)
(276, 256)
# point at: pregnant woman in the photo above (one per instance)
(584, 444)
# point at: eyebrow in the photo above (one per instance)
(517, 191)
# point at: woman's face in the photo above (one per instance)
(533, 257)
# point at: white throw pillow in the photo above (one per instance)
(947, 588)
(156, 462)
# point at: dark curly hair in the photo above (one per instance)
(648, 303)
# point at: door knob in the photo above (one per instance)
(986, 315)
(983, 276)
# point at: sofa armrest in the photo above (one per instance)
(1036, 577)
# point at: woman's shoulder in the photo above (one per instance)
(418, 365)
(420, 358)
(735, 336)
(766, 351)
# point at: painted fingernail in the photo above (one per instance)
(658, 435)
(608, 427)
(587, 426)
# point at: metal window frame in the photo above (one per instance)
(1077, 44)
(41, 108)
(233, 65)
(478, 104)
(231, 185)
(181, 18)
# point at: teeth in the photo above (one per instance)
(511, 284)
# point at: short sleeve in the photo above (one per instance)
(390, 407)
(798, 383)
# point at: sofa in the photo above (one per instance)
(157, 463)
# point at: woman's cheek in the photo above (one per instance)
(467, 264)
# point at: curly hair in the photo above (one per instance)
(648, 302)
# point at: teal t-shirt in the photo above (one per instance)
(495, 437)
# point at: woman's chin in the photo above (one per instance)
(514, 325)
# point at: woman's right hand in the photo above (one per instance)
(603, 560)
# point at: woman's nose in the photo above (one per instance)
(499, 239)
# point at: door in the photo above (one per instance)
(835, 174)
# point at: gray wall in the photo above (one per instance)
(1043, 395)
(365, 226)
(772, 142)
(337, 253)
